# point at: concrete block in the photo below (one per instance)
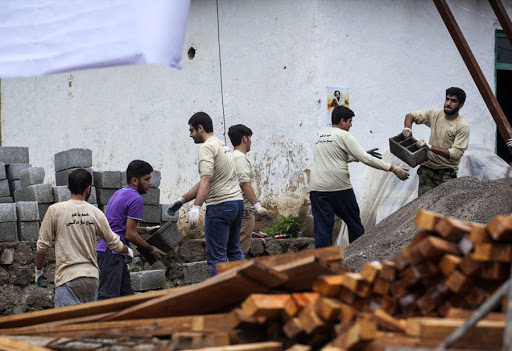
(62, 177)
(8, 231)
(165, 215)
(152, 214)
(8, 212)
(31, 176)
(3, 173)
(108, 179)
(14, 154)
(73, 158)
(406, 150)
(152, 197)
(148, 280)
(103, 195)
(13, 186)
(93, 198)
(28, 231)
(4, 188)
(196, 272)
(166, 238)
(7, 256)
(42, 193)
(6, 200)
(27, 211)
(61, 193)
(156, 177)
(13, 170)
(123, 179)
(42, 210)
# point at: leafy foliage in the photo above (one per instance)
(286, 225)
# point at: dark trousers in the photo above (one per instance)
(326, 204)
(222, 233)
(430, 178)
(114, 276)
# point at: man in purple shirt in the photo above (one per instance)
(124, 211)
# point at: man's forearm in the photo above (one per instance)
(135, 238)
(202, 192)
(409, 119)
(192, 193)
(249, 192)
(40, 257)
(440, 151)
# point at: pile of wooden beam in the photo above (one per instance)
(310, 300)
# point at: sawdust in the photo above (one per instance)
(464, 198)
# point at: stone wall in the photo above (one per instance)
(20, 294)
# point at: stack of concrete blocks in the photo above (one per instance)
(27, 213)
(65, 163)
(107, 183)
(13, 159)
(8, 219)
(152, 211)
(33, 189)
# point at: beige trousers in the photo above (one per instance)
(246, 231)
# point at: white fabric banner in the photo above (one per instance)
(49, 36)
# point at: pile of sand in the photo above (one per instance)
(463, 198)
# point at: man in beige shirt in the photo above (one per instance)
(331, 192)
(220, 190)
(449, 138)
(240, 137)
(74, 224)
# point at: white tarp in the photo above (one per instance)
(384, 193)
(49, 36)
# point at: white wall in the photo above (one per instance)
(277, 59)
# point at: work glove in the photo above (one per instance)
(260, 210)
(152, 230)
(407, 132)
(193, 217)
(509, 142)
(159, 254)
(374, 153)
(39, 278)
(422, 143)
(128, 257)
(171, 210)
(401, 172)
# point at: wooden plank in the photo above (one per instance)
(310, 320)
(329, 309)
(303, 299)
(10, 344)
(259, 346)
(470, 267)
(459, 313)
(430, 301)
(452, 229)
(78, 311)
(433, 248)
(475, 297)
(381, 287)
(328, 254)
(184, 340)
(270, 306)
(387, 339)
(427, 220)
(479, 234)
(370, 271)
(222, 290)
(268, 276)
(495, 271)
(387, 322)
(458, 282)
(293, 328)
(303, 272)
(328, 285)
(500, 228)
(490, 252)
(388, 271)
(389, 304)
(449, 263)
(355, 283)
(239, 318)
(299, 347)
(402, 258)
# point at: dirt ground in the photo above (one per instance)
(464, 198)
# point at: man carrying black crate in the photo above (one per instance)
(449, 137)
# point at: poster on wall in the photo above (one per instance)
(336, 96)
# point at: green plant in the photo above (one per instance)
(286, 225)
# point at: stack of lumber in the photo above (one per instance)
(309, 300)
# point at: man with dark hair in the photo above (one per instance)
(240, 137)
(220, 189)
(331, 192)
(74, 225)
(449, 138)
(124, 211)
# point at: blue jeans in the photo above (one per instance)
(222, 232)
(324, 205)
(76, 291)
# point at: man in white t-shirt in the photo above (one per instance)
(331, 192)
(240, 137)
(449, 138)
(220, 190)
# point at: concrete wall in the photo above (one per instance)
(277, 58)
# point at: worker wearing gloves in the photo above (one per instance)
(74, 225)
(449, 137)
(124, 212)
(331, 192)
(240, 137)
(220, 189)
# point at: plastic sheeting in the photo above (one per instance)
(385, 193)
(50, 36)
